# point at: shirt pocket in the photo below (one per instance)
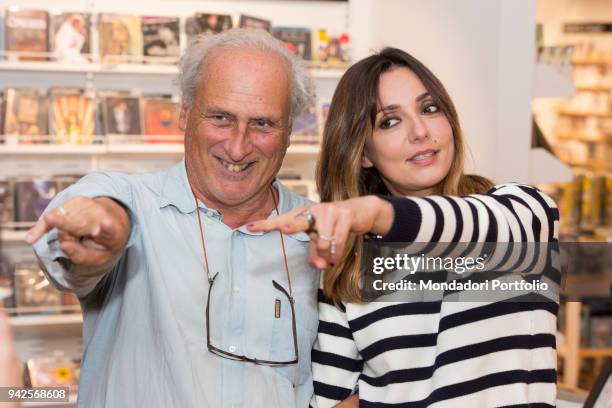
(282, 345)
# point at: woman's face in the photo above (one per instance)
(412, 144)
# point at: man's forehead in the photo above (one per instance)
(236, 79)
(222, 58)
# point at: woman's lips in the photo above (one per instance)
(424, 158)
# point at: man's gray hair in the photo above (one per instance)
(193, 60)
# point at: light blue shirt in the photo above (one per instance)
(144, 322)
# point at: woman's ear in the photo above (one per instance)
(366, 163)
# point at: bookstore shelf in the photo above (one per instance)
(9, 235)
(46, 320)
(585, 137)
(71, 403)
(135, 69)
(600, 114)
(591, 61)
(154, 148)
(594, 88)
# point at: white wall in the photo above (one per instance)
(483, 51)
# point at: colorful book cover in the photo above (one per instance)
(161, 118)
(26, 32)
(69, 36)
(205, 23)
(323, 114)
(161, 38)
(306, 126)
(122, 115)
(54, 371)
(296, 39)
(120, 37)
(26, 114)
(72, 116)
(254, 22)
(6, 202)
(332, 50)
(32, 197)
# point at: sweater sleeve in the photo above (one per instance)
(506, 213)
(336, 362)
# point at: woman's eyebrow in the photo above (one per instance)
(391, 107)
(422, 96)
(396, 106)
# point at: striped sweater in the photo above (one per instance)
(442, 353)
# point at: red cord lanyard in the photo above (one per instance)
(210, 278)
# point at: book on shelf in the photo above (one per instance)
(254, 22)
(32, 289)
(32, 195)
(122, 115)
(306, 126)
(26, 32)
(25, 115)
(6, 202)
(2, 111)
(161, 39)
(2, 33)
(72, 116)
(331, 50)
(56, 370)
(6, 287)
(296, 39)
(120, 37)
(206, 23)
(70, 36)
(600, 331)
(161, 119)
(323, 114)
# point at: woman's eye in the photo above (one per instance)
(387, 123)
(433, 108)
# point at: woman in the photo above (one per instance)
(393, 152)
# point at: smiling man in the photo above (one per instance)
(183, 306)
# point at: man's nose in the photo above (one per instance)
(239, 145)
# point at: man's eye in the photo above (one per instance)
(432, 108)
(219, 117)
(388, 123)
(262, 123)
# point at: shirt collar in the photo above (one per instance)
(176, 191)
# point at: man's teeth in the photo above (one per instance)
(235, 168)
(423, 156)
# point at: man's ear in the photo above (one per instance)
(183, 116)
(366, 163)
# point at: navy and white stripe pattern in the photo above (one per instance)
(446, 354)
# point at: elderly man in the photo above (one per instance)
(183, 306)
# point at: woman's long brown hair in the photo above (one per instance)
(350, 121)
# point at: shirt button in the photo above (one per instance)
(232, 349)
(236, 290)
(209, 213)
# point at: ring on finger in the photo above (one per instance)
(332, 247)
(332, 243)
(310, 218)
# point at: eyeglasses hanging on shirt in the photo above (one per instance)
(277, 304)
